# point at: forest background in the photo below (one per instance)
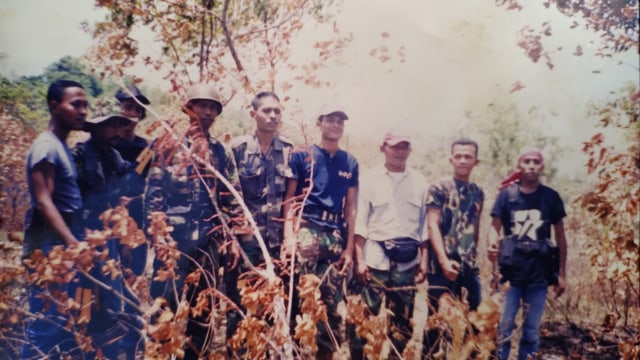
(560, 76)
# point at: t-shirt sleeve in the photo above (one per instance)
(435, 196)
(499, 207)
(354, 181)
(43, 150)
(297, 164)
(557, 208)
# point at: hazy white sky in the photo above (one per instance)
(459, 55)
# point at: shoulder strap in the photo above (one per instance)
(513, 193)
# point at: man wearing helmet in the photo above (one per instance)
(199, 207)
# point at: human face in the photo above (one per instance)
(131, 109)
(268, 115)
(395, 156)
(71, 111)
(205, 112)
(530, 167)
(331, 127)
(463, 159)
(108, 132)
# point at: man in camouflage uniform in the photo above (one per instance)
(102, 179)
(454, 206)
(199, 207)
(325, 237)
(391, 207)
(263, 168)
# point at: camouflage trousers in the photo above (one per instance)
(395, 287)
(319, 249)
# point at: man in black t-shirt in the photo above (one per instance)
(529, 210)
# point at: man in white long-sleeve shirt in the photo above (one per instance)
(390, 248)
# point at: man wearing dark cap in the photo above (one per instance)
(525, 212)
(203, 212)
(136, 150)
(326, 177)
(101, 177)
(390, 249)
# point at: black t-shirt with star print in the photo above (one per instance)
(529, 215)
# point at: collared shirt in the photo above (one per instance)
(263, 179)
(460, 204)
(332, 178)
(390, 205)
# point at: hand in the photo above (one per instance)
(72, 243)
(421, 274)
(233, 255)
(362, 272)
(346, 259)
(560, 286)
(492, 252)
(450, 269)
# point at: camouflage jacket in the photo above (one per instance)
(460, 204)
(263, 178)
(179, 187)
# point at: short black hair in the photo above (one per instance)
(56, 89)
(255, 103)
(465, 141)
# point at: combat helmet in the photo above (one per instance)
(204, 92)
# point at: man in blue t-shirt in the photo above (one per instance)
(324, 187)
(529, 210)
(54, 218)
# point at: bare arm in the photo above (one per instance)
(42, 179)
(362, 272)
(450, 268)
(423, 264)
(287, 205)
(494, 237)
(350, 219)
(561, 241)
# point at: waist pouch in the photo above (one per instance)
(513, 250)
(401, 250)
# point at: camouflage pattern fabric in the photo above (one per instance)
(393, 286)
(179, 187)
(263, 178)
(460, 206)
(174, 187)
(319, 248)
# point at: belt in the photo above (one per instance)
(528, 246)
(322, 215)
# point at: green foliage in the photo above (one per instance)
(506, 132)
(25, 100)
(72, 69)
